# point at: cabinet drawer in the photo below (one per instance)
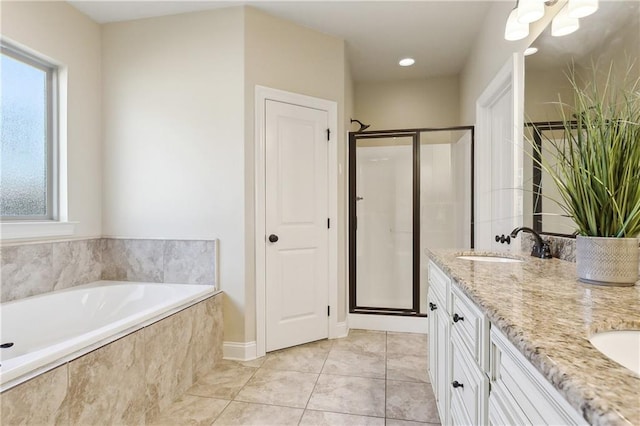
(471, 325)
(469, 386)
(439, 283)
(533, 398)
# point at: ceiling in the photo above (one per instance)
(438, 34)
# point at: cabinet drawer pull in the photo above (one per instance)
(457, 318)
(432, 306)
(456, 384)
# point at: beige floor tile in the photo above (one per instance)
(305, 358)
(254, 363)
(407, 343)
(224, 382)
(286, 388)
(410, 368)
(355, 363)
(362, 340)
(395, 422)
(320, 344)
(190, 410)
(326, 418)
(351, 395)
(411, 401)
(247, 414)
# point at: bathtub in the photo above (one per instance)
(42, 332)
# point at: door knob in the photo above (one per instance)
(273, 238)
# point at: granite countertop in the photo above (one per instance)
(549, 316)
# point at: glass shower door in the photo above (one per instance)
(384, 235)
(409, 191)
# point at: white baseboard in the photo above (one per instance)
(388, 323)
(239, 351)
(341, 330)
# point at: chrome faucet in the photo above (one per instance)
(541, 248)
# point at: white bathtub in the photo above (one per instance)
(50, 329)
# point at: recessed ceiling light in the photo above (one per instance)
(530, 51)
(406, 62)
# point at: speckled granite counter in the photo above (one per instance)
(549, 316)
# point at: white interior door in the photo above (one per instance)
(296, 225)
(499, 157)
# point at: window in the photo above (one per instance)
(28, 156)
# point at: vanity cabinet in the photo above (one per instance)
(457, 342)
(519, 393)
(439, 365)
(477, 375)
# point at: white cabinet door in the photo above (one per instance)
(439, 353)
(433, 339)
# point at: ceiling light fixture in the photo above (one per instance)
(530, 11)
(563, 24)
(406, 62)
(582, 8)
(514, 29)
(530, 51)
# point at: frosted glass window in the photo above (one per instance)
(26, 186)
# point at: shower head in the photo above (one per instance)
(362, 128)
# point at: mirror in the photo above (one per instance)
(611, 35)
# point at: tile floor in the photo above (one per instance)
(367, 378)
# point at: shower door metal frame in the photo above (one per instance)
(353, 220)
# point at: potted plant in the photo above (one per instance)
(596, 167)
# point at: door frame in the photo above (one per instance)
(510, 77)
(262, 95)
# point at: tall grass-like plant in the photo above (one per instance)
(597, 166)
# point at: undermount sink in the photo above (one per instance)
(490, 258)
(622, 346)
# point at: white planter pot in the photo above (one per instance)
(607, 261)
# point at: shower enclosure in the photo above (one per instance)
(408, 190)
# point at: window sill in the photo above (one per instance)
(33, 230)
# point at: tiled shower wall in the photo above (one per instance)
(33, 268)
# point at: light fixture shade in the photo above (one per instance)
(514, 30)
(406, 62)
(582, 8)
(530, 11)
(564, 24)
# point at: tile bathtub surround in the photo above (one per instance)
(280, 389)
(40, 401)
(549, 317)
(33, 268)
(168, 261)
(127, 381)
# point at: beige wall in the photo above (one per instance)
(491, 51)
(282, 55)
(544, 89)
(70, 39)
(406, 104)
(174, 137)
